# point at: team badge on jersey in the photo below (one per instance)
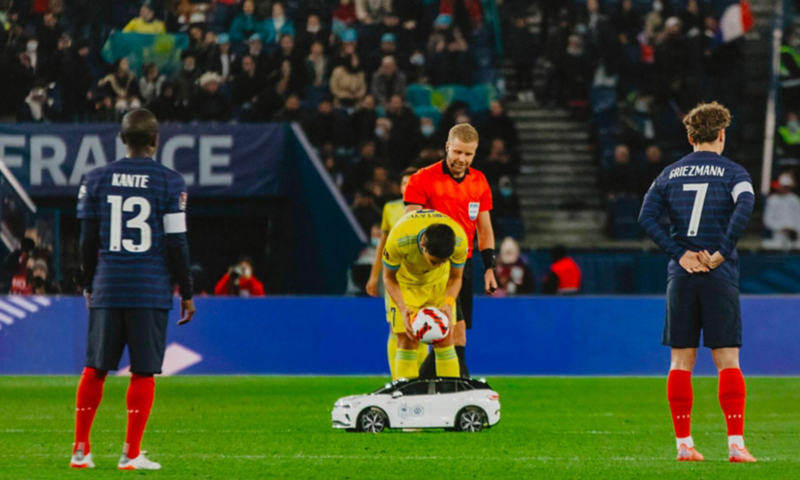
(474, 208)
(182, 202)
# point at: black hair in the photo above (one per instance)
(440, 240)
(558, 252)
(139, 129)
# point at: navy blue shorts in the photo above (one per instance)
(143, 330)
(465, 296)
(701, 302)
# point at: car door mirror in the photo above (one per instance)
(397, 394)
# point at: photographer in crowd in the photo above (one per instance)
(239, 281)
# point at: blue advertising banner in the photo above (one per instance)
(215, 160)
(347, 336)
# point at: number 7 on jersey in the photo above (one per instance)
(697, 210)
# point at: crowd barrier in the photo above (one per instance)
(347, 336)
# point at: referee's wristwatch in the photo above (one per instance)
(489, 262)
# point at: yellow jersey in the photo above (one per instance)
(392, 212)
(137, 25)
(404, 253)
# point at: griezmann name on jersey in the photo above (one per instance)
(403, 249)
(136, 201)
(709, 199)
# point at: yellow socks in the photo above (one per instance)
(447, 362)
(405, 365)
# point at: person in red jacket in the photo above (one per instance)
(239, 281)
(564, 277)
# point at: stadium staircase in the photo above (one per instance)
(559, 182)
(562, 202)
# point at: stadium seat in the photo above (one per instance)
(429, 112)
(447, 94)
(481, 96)
(419, 95)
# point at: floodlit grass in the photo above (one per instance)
(279, 427)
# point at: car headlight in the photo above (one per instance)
(341, 404)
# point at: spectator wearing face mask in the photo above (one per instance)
(314, 33)
(239, 281)
(514, 276)
(359, 273)
(790, 71)
(782, 215)
(428, 130)
(185, 81)
(278, 25)
(789, 137)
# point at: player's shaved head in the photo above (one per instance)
(705, 121)
(440, 241)
(139, 132)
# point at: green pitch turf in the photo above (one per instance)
(275, 427)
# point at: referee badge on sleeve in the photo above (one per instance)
(474, 207)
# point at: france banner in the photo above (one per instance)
(215, 160)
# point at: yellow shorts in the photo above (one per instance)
(415, 297)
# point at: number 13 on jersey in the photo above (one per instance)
(139, 222)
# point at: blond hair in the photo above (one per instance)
(464, 132)
(705, 121)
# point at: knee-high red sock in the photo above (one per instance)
(731, 399)
(140, 400)
(90, 393)
(679, 394)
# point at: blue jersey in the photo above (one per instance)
(137, 201)
(709, 199)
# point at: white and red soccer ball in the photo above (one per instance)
(430, 325)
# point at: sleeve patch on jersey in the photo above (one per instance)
(182, 201)
(740, 188)
(175, 223)
(391, 267)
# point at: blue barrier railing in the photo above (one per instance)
(347, 336)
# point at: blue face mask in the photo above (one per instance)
(418, 60)
(379, 132)
(506, 192)
(793, 125)
(428, 130)
(374, 241)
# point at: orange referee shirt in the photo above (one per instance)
(460, 199)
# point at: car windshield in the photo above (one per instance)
(388, 388)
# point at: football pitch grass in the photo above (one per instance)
(280, 427)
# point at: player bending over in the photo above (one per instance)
(709, 200)
(392, 212)
(133, 236)
(423, 264)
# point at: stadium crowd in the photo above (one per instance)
(639, 67)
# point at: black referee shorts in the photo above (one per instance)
(464, 300)
(701, 302)
(143, 330)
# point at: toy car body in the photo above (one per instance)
(452, 403)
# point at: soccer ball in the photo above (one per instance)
(430, 325)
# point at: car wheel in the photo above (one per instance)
(470, 419)
(373, 420)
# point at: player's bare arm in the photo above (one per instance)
(451, 292)
(486, 242)
(413, 207)
(374, 274)
(393, 289)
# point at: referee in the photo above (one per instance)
(453, 188)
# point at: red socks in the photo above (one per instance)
(140, 400)
(679, 394)
(731, 399)
(90, 393)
